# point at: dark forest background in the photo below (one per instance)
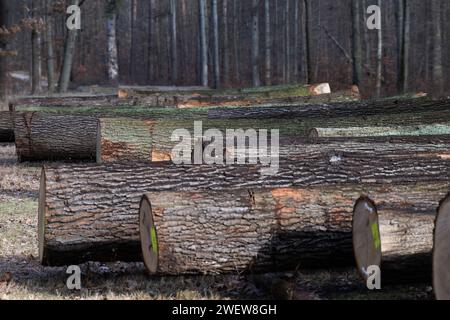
(285, 41)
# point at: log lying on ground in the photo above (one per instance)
(64, 100)
(359, 132)
(441, 252)
(51, 137)
(394, 231)
(6, 127)
(363, 108)
(267, 230)
(87, 212)
(124, 140)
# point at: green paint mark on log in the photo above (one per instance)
(154, 240)
(376, 235)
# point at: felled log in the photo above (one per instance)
(108, 195)
(394, 231)
(124, 139)
(51, 137)
(65, 100)
(358, 132)
(6, 127)
(343, 109)
(441, 252)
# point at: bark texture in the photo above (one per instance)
(368, 108)
(6, 127)
(50, 137)
(85, 207)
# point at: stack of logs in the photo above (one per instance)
(357, 180)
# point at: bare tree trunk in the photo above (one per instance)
(203, 43)
(405, 44)
(174, 46)
(296, 38)
(113, 60)
(216, 54)
(438, 74)
(226, 54)
(255, 44)
(50, 50)
(236, 5)
(379, 58)
(307, 40)
(36, 67)
(356, 42)
(288, 44)
(3, 45)
(268, 43)
(69, 52)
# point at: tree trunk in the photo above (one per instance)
(441, 256)
(356, 42)
(36, 67)
(394, 230)
(49, 137)
(255, 43)
(307, 40)
(438, 73)
(226, 46)
(50, 50)
(368, 108)
(4, 11)
(379, 57)
(69, 52)
(268, 43)
(6, 127)
(216, 49)
(67, 101)
(203, 43)
(124, 140)
(287, 49)
(174, 38)
(113, 59)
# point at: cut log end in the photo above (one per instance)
(366, 239)
(148, 234)
(41, 217)
(441, 252)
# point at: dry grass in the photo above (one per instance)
(22, 277)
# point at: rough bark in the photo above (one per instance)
(394, 230)
(109, 194)
(6, 127)
(51, 137)
(367, 108)
(355, 132)
(64, 100)
(441, 257)
(124, 140)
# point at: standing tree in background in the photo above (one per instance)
(255, 43)
(438, 73)
(306, 15)
(268, 43)
(404, 39)
(287, 65)
(226, 51)
(69, 52)
(111, 23)
(3, 47)
(379, 56)
(50, 49)
(216, 50)
(174, 45)
(203, 43)
(356, 42)
(36, 66)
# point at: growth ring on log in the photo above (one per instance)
(441, 252)
(366, 235)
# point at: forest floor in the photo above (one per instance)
(22, 277)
